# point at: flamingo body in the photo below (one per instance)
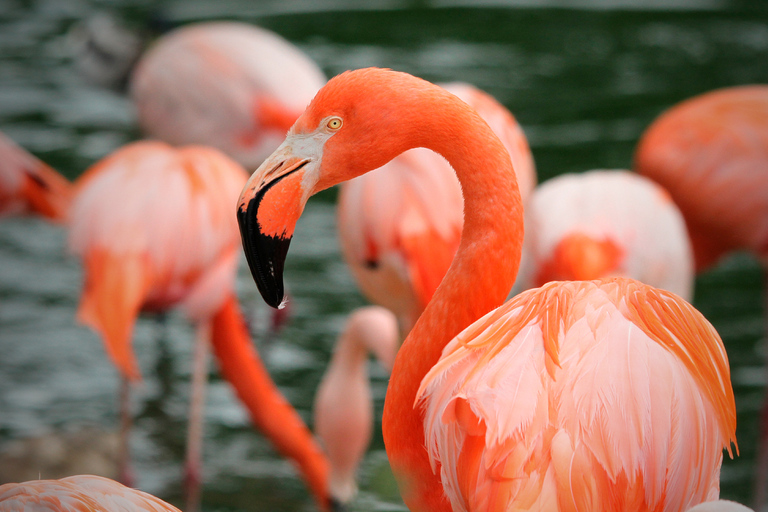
(154, 247)
(710, 153)
(84, 493)
(605, 223)
(359, 121)
(400, 225)
(27, 185)
(228, 85)
(529, 414)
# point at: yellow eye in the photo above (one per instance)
(334, 123)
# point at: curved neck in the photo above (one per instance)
(478, 281)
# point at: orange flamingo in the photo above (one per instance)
(343, 408)
(605, 223)
(27, 185)
(711, 153)
(399, 226)
(154, 227)
(595, 395)
(78, 494)
(229, 85)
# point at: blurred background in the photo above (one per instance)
(583, 77)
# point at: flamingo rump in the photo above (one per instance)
(605, 223)
(464, 431)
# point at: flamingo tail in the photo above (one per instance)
(115, 288)
(270, 412)
(47, 192)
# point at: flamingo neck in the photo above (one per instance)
(478, 281)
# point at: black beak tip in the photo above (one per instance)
(265, 254)
(337, 506)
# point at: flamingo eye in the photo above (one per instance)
(334, 123)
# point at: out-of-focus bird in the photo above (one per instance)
(558, 400)
(229, 85)
(720, 506)
(83, 493)
(605, 223)
(154, 228)
(711, 153)
(27, 185)
(343, 407)
(399, 226)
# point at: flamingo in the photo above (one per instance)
(582, 395)
(78, 494)
(28, 185)
(711, 153)
(229, 85)
(399, 226)
(154, 229)
(605, 223)
(343, 408)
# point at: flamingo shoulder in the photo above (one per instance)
(601, 395)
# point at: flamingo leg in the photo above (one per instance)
(125, 468)
(193, 463)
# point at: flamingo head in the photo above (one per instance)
(357, 122)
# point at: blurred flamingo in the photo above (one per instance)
(27, 185)
(711, 153)
(229, 85)
(558, 400)
(605, 223)
(154, 227)
(343, 408)
(399, 226)
(78, 494)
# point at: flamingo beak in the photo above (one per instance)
(267, 211)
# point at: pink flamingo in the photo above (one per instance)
(78, 494)
(399, 226)
(584, 395)
(711, 153)
(229, 85)
(605, 223)
(154, 227)
(27, 185)
(343, 408)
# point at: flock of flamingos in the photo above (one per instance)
(597, 386)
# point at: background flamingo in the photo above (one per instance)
(399, 226)
(507, 417)
(78, 493)
(27, 185)
(343, 408)
(605, 223)
(711, 153)
(154, 228)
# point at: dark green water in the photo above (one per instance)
(583, 81)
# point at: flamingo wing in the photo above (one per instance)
(582, 396)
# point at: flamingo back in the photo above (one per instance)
(155, 228)
(606, 223)
(599, 395)
(82, 493)
(711, 153)
(229, 85)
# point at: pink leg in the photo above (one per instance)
(125, 468)
(193, 464)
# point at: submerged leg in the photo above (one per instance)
(125, 468)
